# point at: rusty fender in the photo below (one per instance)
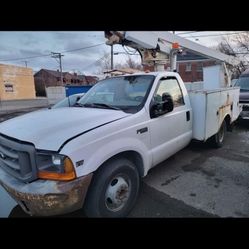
(46, 197)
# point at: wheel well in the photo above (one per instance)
(228, 122)
(133, 156)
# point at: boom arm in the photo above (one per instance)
(157, 46)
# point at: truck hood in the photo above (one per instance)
(49, 129)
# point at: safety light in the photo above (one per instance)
(175, 45)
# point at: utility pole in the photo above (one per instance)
(111, 57)
(58, 55)
(26, 63)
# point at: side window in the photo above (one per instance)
(169, 85)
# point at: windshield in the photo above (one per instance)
(243, 83)
(127, 93)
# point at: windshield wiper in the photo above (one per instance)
(105, 105)
(100, 105)
(78, 104)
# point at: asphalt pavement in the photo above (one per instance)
(198, 181)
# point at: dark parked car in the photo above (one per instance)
(243, 83)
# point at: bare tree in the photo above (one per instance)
(237, 46)
(104, 62)
(243, 41)
(133, 64)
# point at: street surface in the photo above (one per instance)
(198, 181)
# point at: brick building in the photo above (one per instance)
(45, 78)
(190, 66)
(16, 83)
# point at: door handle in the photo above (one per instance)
(143, 130)
(188, 115)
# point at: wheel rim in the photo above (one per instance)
(117, 193)
(221, 133)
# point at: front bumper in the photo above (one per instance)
(46, 197)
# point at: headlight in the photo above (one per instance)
(54, 166)
(57, 159)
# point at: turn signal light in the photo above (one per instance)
(69, 172)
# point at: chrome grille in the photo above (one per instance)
(9, 157)
(17, 158)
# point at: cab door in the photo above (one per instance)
(172, 131)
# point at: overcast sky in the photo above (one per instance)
(16, 47)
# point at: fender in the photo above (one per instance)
(96, 154)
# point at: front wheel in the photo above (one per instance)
(114, 189)
(218, 139)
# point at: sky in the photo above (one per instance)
(17, 47)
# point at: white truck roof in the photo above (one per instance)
(151, 73)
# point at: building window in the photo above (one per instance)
(188, 67)
(199, 67)
(9, 88)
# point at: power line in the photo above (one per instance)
(196, 36)
(96, 61)
(72, 50)
(45, 55)
(130, 52)
(30, 57)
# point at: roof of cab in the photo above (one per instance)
(150, 73)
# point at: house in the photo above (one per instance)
(190, 66)
(16, 83)
(46, 78)
(116, 72)
(88, 80)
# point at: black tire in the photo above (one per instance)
(217, 140)
(113, 190)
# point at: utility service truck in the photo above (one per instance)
(93, 155)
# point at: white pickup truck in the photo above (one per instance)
(93, 155)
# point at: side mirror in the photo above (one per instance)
(168, 104)
(163, 107)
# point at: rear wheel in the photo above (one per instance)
(218, 139)
(114, 190)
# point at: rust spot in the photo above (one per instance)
(69, 197)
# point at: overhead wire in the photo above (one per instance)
(209, 35)
(45, 55)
